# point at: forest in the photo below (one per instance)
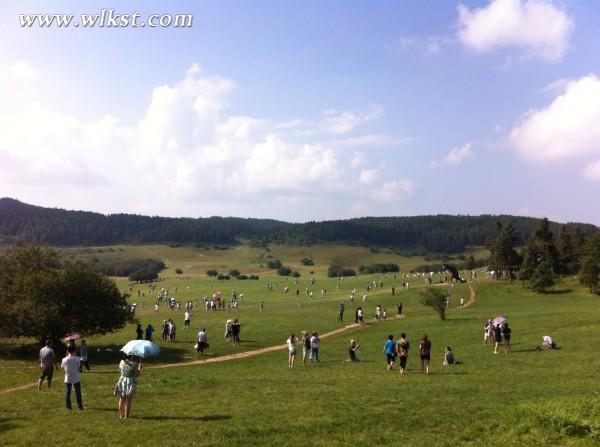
(23, 223)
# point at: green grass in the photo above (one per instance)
(524, 398)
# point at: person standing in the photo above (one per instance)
(149, 332)
(139, 332)
(127, 385)
(462, 301)
(425, 352)
(202, 341)
(360, 316)
(291, 350)
(341, 312)
(506, 333)
(403, 346)
(187, 319)
(235, 331)
(314, 343)
(70, 364)
(47, 359)
(83, 353)
(305, 347)
(389, 348)
(497, 337)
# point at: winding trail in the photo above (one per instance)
(255, 352)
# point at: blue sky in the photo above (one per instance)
(307, 110)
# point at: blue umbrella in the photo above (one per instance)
(140, 348)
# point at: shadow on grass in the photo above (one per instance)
(212, 417)
(5, 424)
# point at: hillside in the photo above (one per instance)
(21, 222)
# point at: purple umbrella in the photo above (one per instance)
(497, 321)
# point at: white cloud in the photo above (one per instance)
(592, 171)
(23, 70)
(185, 156)
(368, 176)
(566, 128)
(459, 154)
(395, 190)
(337, 122)
(376, 140)
(426, 45)
(538, 27)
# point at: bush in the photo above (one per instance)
(255, 277)
(378, 268)
(234, 272)
(143, 274)
(212, 272)
(295, 274)
(222, 277)
(542, 278)
(274, 264)
(335, 271)
(179, 271)
(126, 268)
(242, 277)
(307, 261)
(284, 271)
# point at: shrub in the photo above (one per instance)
(179, 271)
(220, 276)
(242, 277)
(295, 274)
(335, 271)
(284, 271)
(255, 277)
(234, 272)
(212, 272)
(378, 268)
(274, 264)
(307, 261)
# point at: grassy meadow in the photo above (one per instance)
(527, 397)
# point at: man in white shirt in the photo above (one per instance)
(549, 342)
(186, 320)
(72, 376)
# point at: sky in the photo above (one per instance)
(306, 110)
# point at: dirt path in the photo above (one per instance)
(253, 353)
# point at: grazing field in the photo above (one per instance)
(526, 397)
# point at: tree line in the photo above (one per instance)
(23, 223)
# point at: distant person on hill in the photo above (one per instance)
(352, 348)
(47, 360)
(360, 316)
(425, 352)
(139, 332)
(548, 342)
(187, 319)
(488, 332)
(399, 308)
(306, 346)
(389, 348)
(402, 348)
(165, 330)
(291, 342)
(262, 306)
(341, 312)
(462, 301)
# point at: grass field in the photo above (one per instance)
(524, 398)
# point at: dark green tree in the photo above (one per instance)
(504, 259)
(470, 264)
(435, 298)
(40, 298)
(542, 278)
(540, 248)
(590, 272)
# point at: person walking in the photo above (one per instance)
(139, 333)
(127, 385)
(425, 352)
(403, 346)
(506, 333)
(83, 353)
(149, 332)
(389, 348)
(341, 312)
(236, 328)
(291, 350)
(47, 360)
(497, 337)
(187, 319)
(70, 364)
(306, 347)
(202, 341)
(314, 343)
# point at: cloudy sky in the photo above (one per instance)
(304, 110)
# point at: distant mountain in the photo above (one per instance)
(20, 222)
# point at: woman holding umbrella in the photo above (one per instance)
(127, 384)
